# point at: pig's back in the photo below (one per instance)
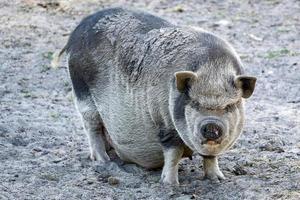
(112, 25)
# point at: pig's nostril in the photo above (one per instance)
(211, 131)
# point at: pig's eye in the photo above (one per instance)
(229, 107)
(195, 105)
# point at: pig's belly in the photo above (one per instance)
(133, 134)
(135, 143)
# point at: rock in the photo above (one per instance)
(239, 170)
(223, 22)
(269, 147)
(113, 180)
(178, 8)
(36, 149)
(256, 38)
(90, 182)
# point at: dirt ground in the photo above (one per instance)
(43, 148)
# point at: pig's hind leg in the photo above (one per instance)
(91, 119)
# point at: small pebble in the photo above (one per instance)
(89, 182)
(178, 8)
(223, 22)
(113, 180)
(36, 149)
(269, 147)
(239, 170)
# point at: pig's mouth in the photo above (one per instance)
(211, 142)
(210, 147)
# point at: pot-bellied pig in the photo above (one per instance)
(160, 91)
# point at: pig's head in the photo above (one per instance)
(207, 107)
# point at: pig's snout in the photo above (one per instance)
(212, 129)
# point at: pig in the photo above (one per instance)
(159, 91)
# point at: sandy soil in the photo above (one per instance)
(43, 148)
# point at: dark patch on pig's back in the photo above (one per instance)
(117, 35)
(83, 35)
(112, 24)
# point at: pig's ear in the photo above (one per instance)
(182, 79)
(246, 83)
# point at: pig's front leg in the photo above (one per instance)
(211, 168)
(172, 157)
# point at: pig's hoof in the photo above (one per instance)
(215, 176)
(169, 181)
(99, 157)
